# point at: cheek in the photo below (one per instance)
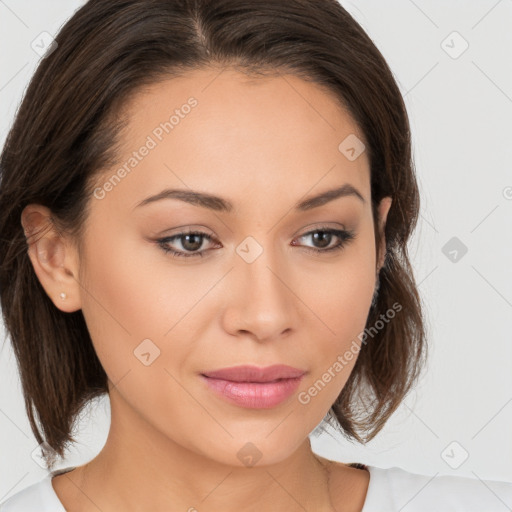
(119, 300)
(136, 302)
(339, 297)
(339, 294)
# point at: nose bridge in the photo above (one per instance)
(260, 262)
(263, 299)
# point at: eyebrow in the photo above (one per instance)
(219, 204)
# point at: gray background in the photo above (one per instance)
(459, 418)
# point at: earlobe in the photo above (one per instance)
(53, 258)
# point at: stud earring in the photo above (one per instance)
(63, 295)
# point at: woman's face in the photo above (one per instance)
(258, 294)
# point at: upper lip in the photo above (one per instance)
(251, 373)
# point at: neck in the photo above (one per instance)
(139, 468)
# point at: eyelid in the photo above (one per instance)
(186, 228)
(315, 226)
(344, 237)
(305, 230)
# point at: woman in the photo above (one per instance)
(204, 212)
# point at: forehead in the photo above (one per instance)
(228, 134)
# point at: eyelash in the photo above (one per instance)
(344, 236)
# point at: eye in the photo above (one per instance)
(192, 241)
(325, 235)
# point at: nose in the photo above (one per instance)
(262, 302)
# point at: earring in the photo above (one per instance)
(63, 295)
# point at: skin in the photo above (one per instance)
(263, 144)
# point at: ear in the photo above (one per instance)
(54, 258)
(384, 207)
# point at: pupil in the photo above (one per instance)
(325, 238)
(195, 246)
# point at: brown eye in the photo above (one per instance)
(322, 238)
(190, 241)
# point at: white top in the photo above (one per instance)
(390, 490)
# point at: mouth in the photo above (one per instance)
(253, 395)
(255, 374)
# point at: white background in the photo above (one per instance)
(461, 116)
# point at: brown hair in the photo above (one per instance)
(67, 130)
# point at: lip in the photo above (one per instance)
(250, 373)
(252, 387)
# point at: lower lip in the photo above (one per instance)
(254, 395)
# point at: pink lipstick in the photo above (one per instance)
(254, 387)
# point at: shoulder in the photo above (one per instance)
(397, 489)
(33, 497)
(39, 496)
